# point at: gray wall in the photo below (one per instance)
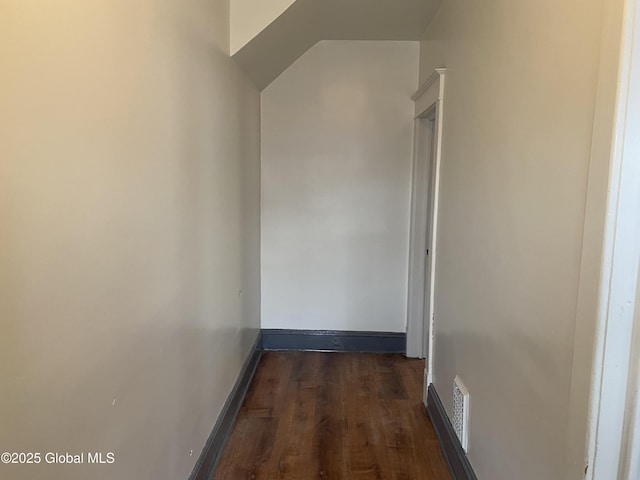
(518, 119)
(129, 238)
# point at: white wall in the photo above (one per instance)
(129, 238)
(336, 172)
(519, 109)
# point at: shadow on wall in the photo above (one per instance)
(306, 22)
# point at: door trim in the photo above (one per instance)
(429, 98)
(613, 437)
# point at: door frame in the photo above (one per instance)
(429, 100)
(614, 435)
(421, 225)
(604, 415)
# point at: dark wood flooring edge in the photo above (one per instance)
(212, 450)
(334, 341)
(454, 454)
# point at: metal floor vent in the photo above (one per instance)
(460, 419)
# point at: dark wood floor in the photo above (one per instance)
(332, 416)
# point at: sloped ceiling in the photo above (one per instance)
(306, 22)
(249, 17)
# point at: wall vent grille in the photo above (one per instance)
(461, 412)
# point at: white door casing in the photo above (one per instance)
(429, 101)
(613, 437)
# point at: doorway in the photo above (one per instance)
(421, 227)
(424, 221)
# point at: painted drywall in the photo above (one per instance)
(518, 119)
(129, 213)
(250, 17)
(281, 42)
(337, 132)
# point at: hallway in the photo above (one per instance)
(188, 188)
(335, 416)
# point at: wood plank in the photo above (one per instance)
(364, 430)
(256, 434)
(334, 416)
(330, 427)
(292, 456)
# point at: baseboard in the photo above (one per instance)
(456, 458)
(334, 341)
(215, 444)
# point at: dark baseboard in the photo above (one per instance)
(334, 341)
(215, 444)
(453, 452)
